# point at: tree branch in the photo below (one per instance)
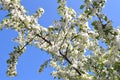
(65, 57)
(38, 34)
(26, 44)
(44, 39)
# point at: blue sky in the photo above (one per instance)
(31, 60)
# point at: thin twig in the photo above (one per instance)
(65, 57)
(44, 39)
(27, 44)
(38, 34)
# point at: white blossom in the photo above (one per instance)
(67, 40)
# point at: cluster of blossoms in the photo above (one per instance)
(67, 40)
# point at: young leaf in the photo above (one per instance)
(82, 6)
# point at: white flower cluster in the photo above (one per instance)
(68, 13)
(68, 41)
(39, 12)
(12, 62)
(93, 6)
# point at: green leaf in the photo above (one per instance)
(82, 6)
(1, 26)
(117, 66)
(9, 15)
(94, 23)
(43, 66)
(106, 18)
(58, 1)
(26, 23)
